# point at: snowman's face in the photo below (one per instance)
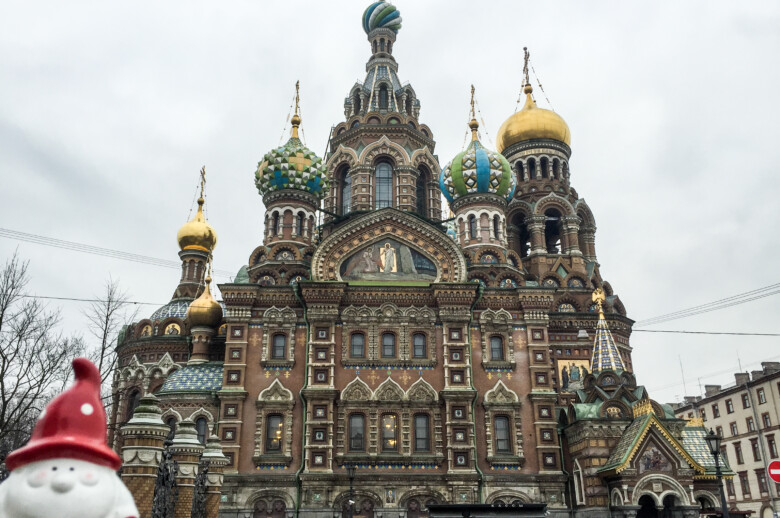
(66, 488)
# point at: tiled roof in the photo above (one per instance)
(694, 443)
(626, 443)
(175, 308)
(205, 377)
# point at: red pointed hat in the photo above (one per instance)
(72, 426)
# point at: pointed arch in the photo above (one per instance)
(501, 394)
(389, 390)
(356, 390)
(276, 392)
(421, 391)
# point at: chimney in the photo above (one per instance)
(754, 375)
(689, 400)
(741, 378)
(770, 367)
(711, 390)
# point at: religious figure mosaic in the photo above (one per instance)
(387, 260)
(571, 374)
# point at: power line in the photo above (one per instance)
(135, 302)
(96, 250)
(734, 300)
(704, 332)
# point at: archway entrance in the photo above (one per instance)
(647, 509)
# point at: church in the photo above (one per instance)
(406, 334)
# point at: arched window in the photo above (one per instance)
(496, 348)
(346, 192)
(472, 227)
(389, 432)
(388, 345)
(202, 427)
(519, 167)
(358, 345)
(382, 45)
(552, 231)
(556, 168)
(274, 223)
(132, 404)
(409, 106)
(384, 98)
(422, 432)
(171, 422)
(523, 243)
(532, 168)
(422, 193)
(501, 424)
(273, 433)
(419, 347)
(301, 218)
(384, 185)
(496, 226)
(543, 165)
(374, 45)
(357, 424)
(279, 349)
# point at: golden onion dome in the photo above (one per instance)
(530, 123)
(197, 234)
(205, 310)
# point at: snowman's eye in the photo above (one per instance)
(71, 469)
(54, 468)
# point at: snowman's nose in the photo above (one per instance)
(63, 482)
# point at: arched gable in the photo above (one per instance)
(389, 390)
(391, 223)
(422, 391)
(276, 392)
(384, 146)
(356, 390)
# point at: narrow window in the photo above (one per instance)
(279, 347)
(384, 185)
(383, 97)
(472, 227)
(358, 345)
(502, 435)
(273, 433)
(356, 432)
(301, 217)
(389, 432)
(202, 426)
(422, 199)
(346, 193)
(275, 224)
(171, 422)
(496, 226)
(422, 440)
(388, 345)
(419, 346)
(544, 165)
(532, 168)
(496, 348)
(132, 403)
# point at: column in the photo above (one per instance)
(143, 439)
(217, 463)
(186, 450)
(536, 228)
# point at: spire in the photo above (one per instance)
(605, 352)
(473, 124)
(197, 233)
(296, 118)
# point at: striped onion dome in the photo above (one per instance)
(476, 170)
(381, 15)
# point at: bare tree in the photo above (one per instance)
(34, 357)
(106, 316)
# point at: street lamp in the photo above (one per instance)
(351, 473)
(713, 442)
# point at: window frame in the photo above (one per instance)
(729, 406)
(507, 449)
(417, 434)
(271, 436)
(352, 344)
(351, 439)
(383, 185)
(493, 340)
(761, 396)
(275, 347)
(393, 345)
(424, 345)
(389, 444)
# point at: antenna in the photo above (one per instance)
(682, 373)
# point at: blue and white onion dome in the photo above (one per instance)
(477, 170)
(381, 15)
(292, 166)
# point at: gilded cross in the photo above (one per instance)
(254, 340)
(202, 180)
(299, 161)
(373, 377)
(405, 378)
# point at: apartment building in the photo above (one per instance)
(747, 416)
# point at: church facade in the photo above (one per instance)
(381, 352)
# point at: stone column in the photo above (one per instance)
(143, 438)
(536, 228)
(201, 338)
(572, 230)
(186, 450)
(217, 463)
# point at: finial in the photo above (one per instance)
(599, 298)
(527, 89)
(473, 124)
(296, 118)
(202, 185)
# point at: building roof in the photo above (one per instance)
(694, 443)
(205, 377)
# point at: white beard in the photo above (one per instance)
(66, 488)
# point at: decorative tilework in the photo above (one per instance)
(605, 352)
(292, 166)
(477, 170)
(176, 308)
(203, 377)
(394, 465)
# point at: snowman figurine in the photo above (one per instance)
(67, 470)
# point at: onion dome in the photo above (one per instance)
(531, 123)
(205, 311)
(381, 15)
(476, 170)
(197, 234)
(292, 166)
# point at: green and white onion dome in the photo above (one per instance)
(292, 166)
(381, 15)
(477, 170)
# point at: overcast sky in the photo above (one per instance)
(108, 110)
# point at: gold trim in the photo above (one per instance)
(653, 420)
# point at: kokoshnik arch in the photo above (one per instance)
(475, 358)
